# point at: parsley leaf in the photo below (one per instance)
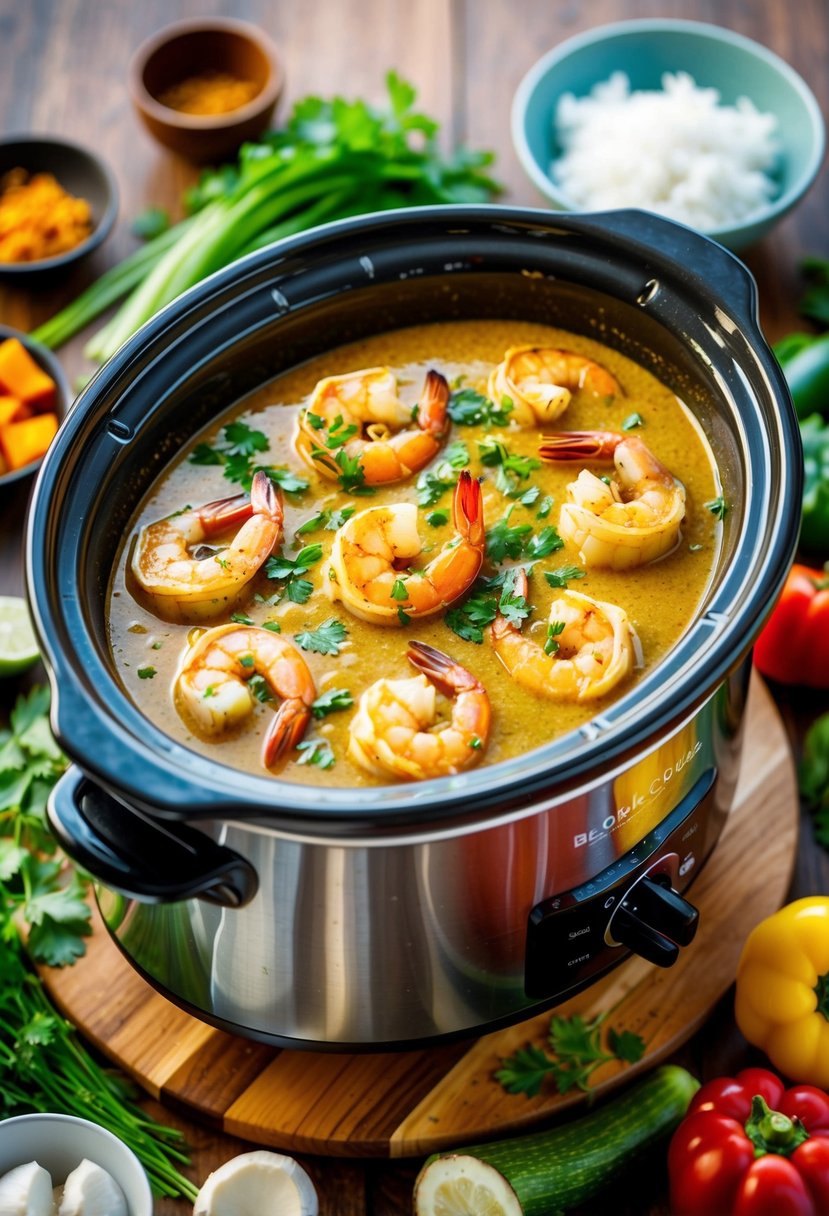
(504, 540)
(576, 1052)
(470, 408)
(432, 484)
(470, 618)
(717, 506)
(316, 751)
(457, 454)
(298, 590)
(546, 542)
(330, 701)
(237, 453)
(437, 519)
(338, 518)
(514, 607)
(545, 507)
(563, 575)
(145, 673)
(554, 628)
(242, 440)
(260, 688)
(327, 639)
(632, 421)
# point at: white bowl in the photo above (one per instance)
(60, 1142)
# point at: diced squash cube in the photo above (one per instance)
(12, 409)
(23, 442)
(21, 377)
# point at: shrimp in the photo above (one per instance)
(591, 647)
(632, 520)
(370, 565)
(394, 729)
(540, 381)
(383, 441)
(186, 587)
(211, 685)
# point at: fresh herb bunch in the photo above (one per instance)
(43, 1067)
(35, 882)
(332, 159)
(237, 452)
(578, 1048)
(814, 777)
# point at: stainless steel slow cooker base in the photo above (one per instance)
(346, 917)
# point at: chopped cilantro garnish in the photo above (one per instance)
(503, 541)
(260, 688)
(398, 590)
(298, 590)
(314, 420)
(694, 548)
(457, 454)
(145, 673)
(241, 446)
(436, 519)
(320, 520)
(290, 482)
(433, 484)
(274, 626)
(203, 454)
(338, 518)
(316, 751)
(527, 497)
(223, 562)
(403, 617)
(475, 742)
(718, 507)
(324, 640)
(247, 660)
(210, 691)
(545, 507)
(551, 646)
(514, 607)
(331, 701)
(242, 440)
(241, 618)
(563, 575)
(546, 542)
(469, 620)
(632, 421)
(470, 408)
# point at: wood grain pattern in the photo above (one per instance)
(411, 1103)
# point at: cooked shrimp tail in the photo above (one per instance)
(371, 560)
(286, 730)
(634, 519)
(579, 445)
(184, 586)
(395, 731)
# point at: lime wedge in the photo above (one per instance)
(18, 647)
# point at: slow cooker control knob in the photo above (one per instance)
(654, 921)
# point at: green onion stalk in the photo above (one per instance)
(334, 159)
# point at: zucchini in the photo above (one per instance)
(542, 1174)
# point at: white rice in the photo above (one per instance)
(677, 152)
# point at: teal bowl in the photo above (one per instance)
(716, 58)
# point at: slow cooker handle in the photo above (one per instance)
(139, 857)
(700, 256)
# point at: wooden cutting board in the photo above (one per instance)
(410, 1103)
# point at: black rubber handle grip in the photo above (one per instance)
(140, 857)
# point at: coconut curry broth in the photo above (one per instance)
(660, 599)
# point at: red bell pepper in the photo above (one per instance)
(794, 646)
(749, 1147)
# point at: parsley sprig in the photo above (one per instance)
(467, 407)
(326, 639)
(238, 454)
(330, 452)
(289, 570)
(577, 1048)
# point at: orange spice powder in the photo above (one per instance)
(38, 218)
(209, 93)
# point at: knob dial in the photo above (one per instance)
(654, 921)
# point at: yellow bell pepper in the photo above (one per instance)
(782, 1001)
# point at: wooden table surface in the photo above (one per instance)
(63, 70)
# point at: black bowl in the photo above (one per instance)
(81, 173)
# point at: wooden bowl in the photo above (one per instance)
(192, 48)
(80, 172)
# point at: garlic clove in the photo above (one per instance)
(26, 1191)
(91, 1191)
(258, 1184)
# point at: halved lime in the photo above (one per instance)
(18, 647)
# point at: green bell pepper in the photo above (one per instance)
(805, 362)
(814, 528)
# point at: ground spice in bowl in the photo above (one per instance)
(209, 93)
(38, 218)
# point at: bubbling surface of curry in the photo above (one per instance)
(661, 599)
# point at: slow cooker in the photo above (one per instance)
(349, 918)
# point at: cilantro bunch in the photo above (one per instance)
(43, 1066)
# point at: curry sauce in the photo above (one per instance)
(521, 512)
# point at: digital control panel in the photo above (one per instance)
(632, 905)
